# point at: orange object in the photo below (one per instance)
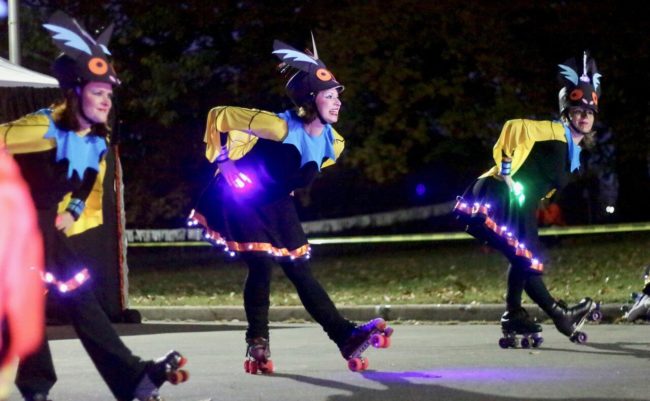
(21, 265)
(550, 215)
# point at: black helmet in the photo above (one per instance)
(312, 76)
(579, 90)
(84, 59)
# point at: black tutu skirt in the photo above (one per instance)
(262, 218)
(494, 216)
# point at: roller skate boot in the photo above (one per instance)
(376, 333)
(258, 352)
(569, 320)
(164, 369)
(518, 323)
(640, 309)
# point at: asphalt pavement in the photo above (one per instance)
(426, 361)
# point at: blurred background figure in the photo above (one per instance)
(21, 264)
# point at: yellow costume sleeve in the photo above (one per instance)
(25, 135)
(243, 127)
(517, 139)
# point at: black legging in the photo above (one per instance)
(521, 279)
(257, 290)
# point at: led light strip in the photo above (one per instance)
(66, 286)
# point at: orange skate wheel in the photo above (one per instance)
(182, 361)
(386, 342)
(355, 364)
(381, 324)
(185, 375)
(364, 363)
(267, 367)
(377, 340)
(177, 377)
(253, 367)
(247, 366)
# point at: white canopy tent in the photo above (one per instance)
(12, 75)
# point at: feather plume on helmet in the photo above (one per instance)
(312, 75)
(581, 84)
(84, 58)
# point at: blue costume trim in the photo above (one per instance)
(574, 150)
(82, 152)
(311, 148)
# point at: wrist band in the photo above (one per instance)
(506, 166)
(223, 155)
(75, 207)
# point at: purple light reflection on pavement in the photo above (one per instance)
(484, 374)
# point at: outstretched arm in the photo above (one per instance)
(259, 123)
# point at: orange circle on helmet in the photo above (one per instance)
(323, 74)
(594, 96)
(97, 66)
(576, 94)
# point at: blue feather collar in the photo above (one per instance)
(311, 148)
(82, 152)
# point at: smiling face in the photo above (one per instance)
(582, 119)
(329, 105)
(96, 102)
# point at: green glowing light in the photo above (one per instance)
(518, 190)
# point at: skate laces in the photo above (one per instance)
(257, 341)
(368, 326)
(258, 348)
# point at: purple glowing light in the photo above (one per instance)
(242, 180)
(473, 374)
(420, 190)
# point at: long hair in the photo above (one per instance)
(65, 113)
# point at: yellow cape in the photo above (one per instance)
(25, 135)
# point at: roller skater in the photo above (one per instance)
(248, 208)
(533, 159)
(60, 152)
